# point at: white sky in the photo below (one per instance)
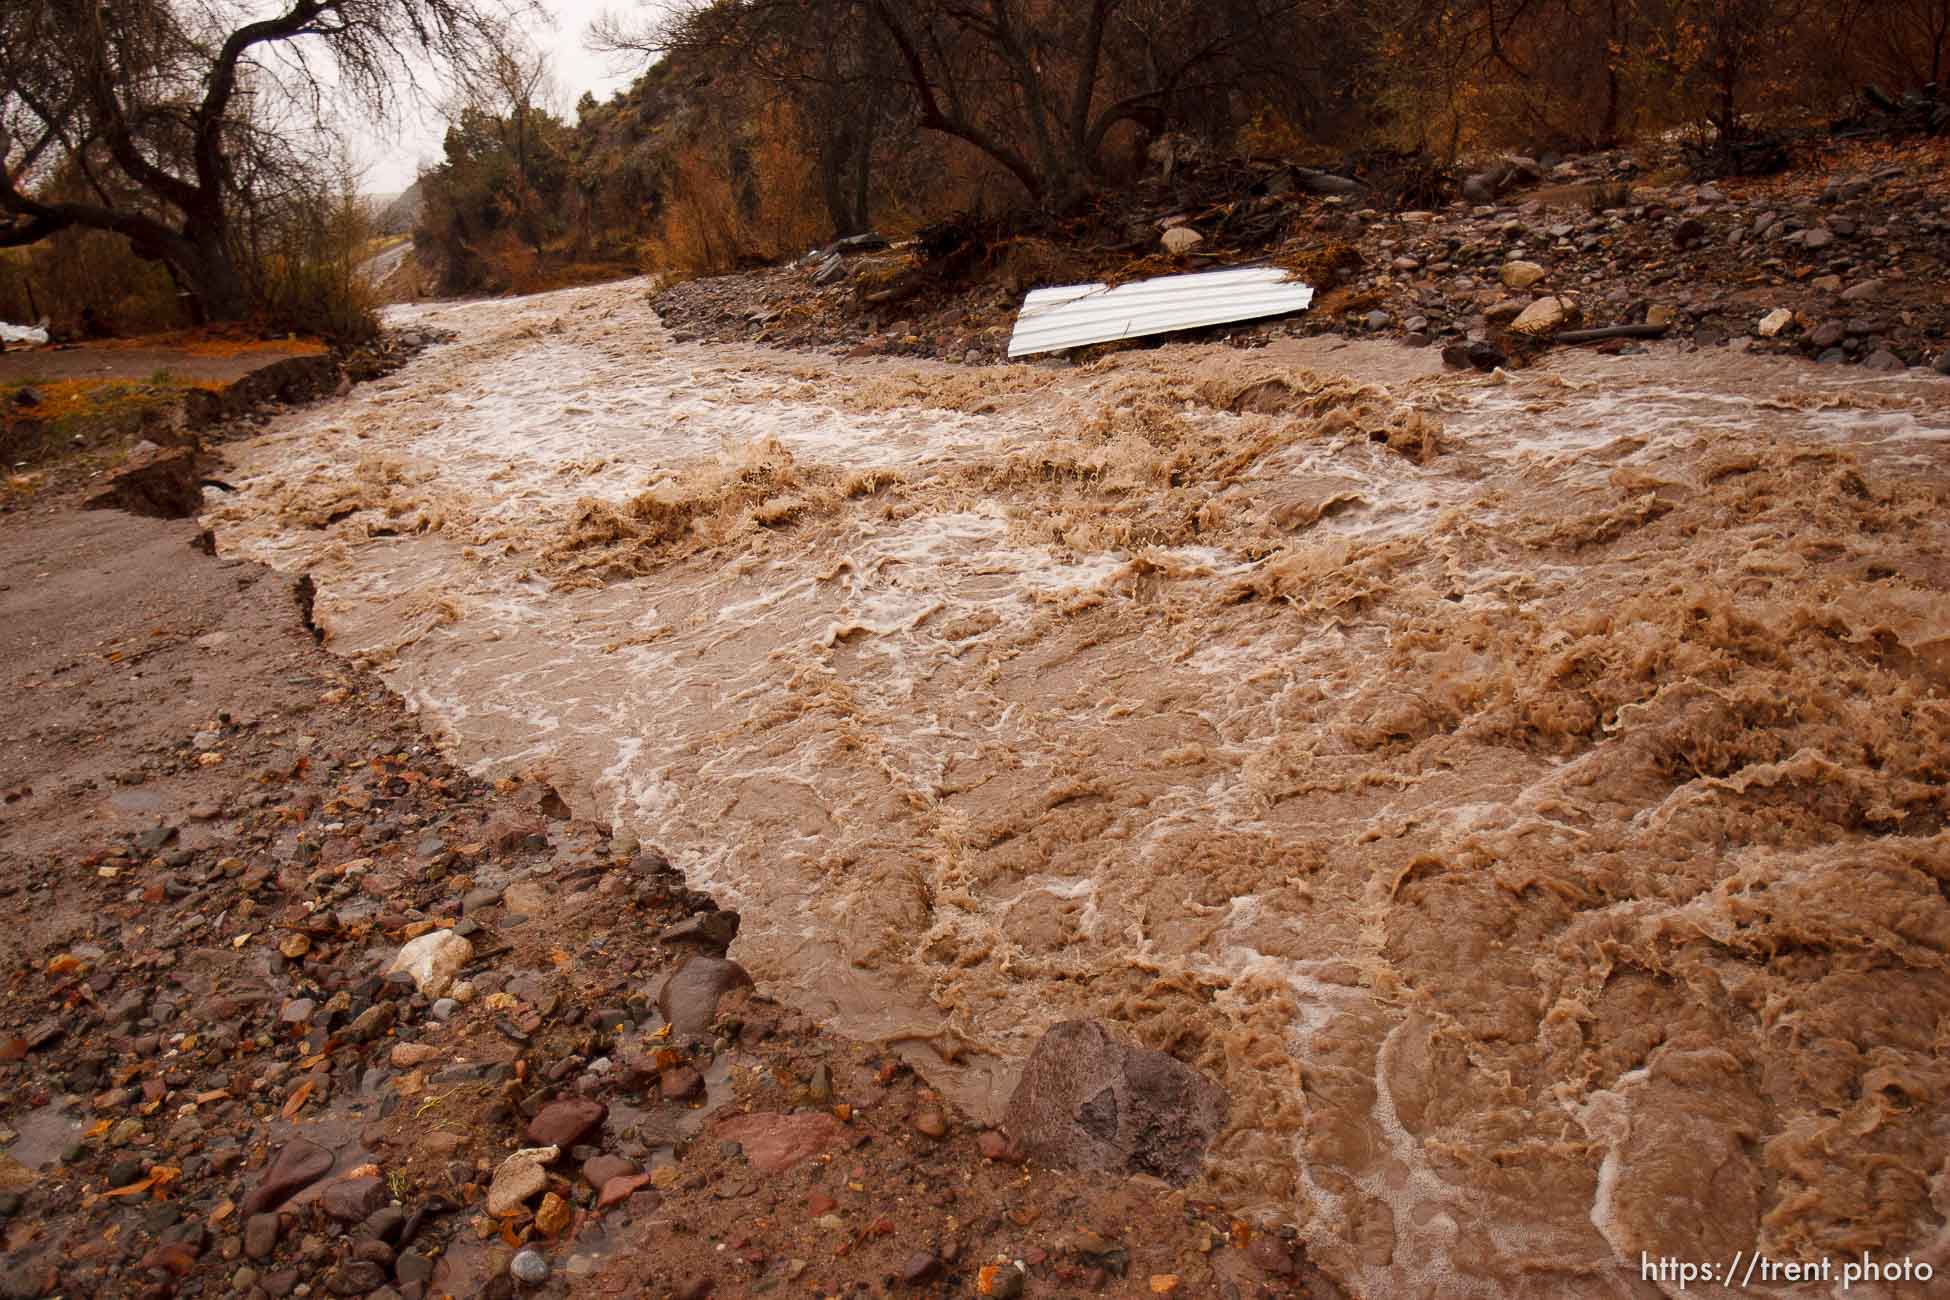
(394, 152)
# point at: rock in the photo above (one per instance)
(519, 1177)
(775, 1142)
(710, 931)
(1828, 334)
(680, 1083)
(529, 1267)
(372, 1023)
(1089, 1102)
(919, 1268)
(1326, 183)
(408, 1055)
(162, 484)
(621, 1188)
(1377, 320)
(689, 998)
(1479, 356)
(27, 395)
(995, 1145)
(433, 960)
(261, 1235)
(1817, 239)
(1774, 322)
(1000, 1280)
(1882, 359)
(554, 1216)
(355, 1277)
(567, 1122)
(1658, 314)
(1826, 283)
(1688, 232)
(352, 1200)
(1180, 240)
(1543, 317)
(931, 1123)
(412, 1267)
(1481, 188)
(1521, 275)
(597, 1170)
(1866, 291)
(1270, 1253)
(299, 1164)
(478, 900)
(1942, 363)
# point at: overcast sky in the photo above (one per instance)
(393, 156)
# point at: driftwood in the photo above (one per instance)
(1612, 332)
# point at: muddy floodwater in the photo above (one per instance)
(1525, 793)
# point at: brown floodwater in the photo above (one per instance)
(1525, 793)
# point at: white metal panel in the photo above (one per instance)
(1073, 315)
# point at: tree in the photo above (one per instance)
(1035, 85)
(164, 120)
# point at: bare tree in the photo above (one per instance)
(155, 112)
(1036, 85)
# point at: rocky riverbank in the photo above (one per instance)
(294, 1007)
(1842, 260)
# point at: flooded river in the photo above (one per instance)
(1526, 794)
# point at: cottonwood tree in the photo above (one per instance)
(163, 120)
(1035, 85)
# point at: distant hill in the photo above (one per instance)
(396, 214)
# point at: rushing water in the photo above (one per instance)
(1525, 793)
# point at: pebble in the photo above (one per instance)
(529, 1267)
(261, 1235)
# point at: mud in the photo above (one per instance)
(1524, 794)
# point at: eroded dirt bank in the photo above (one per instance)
(1525, 794)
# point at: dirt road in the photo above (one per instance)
(1525, 793)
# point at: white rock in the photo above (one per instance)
(433, 960)
(1181, 239)
(1774, 322)
(519, 1177)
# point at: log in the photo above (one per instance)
(1612, 332)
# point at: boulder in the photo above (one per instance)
(689, 998)
(1089, 1102)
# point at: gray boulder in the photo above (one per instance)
(1090, 1102)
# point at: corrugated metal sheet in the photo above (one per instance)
(1071, 316)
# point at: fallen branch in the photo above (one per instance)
(1612, 332)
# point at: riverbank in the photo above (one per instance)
(1851, 246)
(216, 837)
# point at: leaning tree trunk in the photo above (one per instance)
(205, 266)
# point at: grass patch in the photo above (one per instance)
(80, 416)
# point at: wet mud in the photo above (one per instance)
(1525, 794)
